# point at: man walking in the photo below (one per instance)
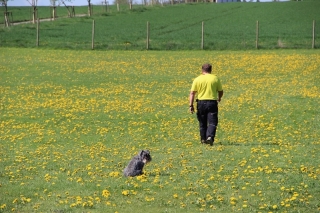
(209, 90)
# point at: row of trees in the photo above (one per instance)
(34, 4)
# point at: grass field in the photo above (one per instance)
(71, 120)
(232, 26)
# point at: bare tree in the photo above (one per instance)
(4, 3)
(33, 4)
(53, 4)
(121, 1)
(89, 8)
(71, 12)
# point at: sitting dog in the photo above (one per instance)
(137, 163)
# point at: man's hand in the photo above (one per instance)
(191, 99)
(191, 109)
(220, 94)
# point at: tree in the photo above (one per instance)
(89, 8)
(120, 2)
(53, 4)
(33, 4)
(71, 13)
(6, 15)
(5, 4)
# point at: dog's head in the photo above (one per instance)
(145, 156)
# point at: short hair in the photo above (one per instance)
(207, 68)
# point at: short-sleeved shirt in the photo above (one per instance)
(207, 87)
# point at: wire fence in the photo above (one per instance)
(151, 38)
(101, 34)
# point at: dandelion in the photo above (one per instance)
(125, 192)
(114, 174)
(149, 199)
(233, 201)
(105, 193)
(3, 206)
(73, 205)
(97, 199)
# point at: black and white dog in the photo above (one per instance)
(137, 163)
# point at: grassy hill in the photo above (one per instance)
(178, 27)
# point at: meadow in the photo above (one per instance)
(70, 121)
(232, 26)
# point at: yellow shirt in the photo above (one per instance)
(207, 87)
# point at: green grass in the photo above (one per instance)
(71, 120)
(20, 14)
(231, 26)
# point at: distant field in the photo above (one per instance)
(71, 120)
(228, 26)
(25, 13)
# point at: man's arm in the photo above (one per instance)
(220, 94)
(191, 100)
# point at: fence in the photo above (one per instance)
(205, 43)
(195, 33)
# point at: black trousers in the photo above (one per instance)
(207, 114)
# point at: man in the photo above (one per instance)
(209, 90)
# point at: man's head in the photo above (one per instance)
(207, 68)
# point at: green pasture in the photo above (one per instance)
(232, 26)
(70, 121)
(24, 13)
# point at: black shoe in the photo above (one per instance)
(210, 141)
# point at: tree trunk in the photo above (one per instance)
(6, 19)
(89, 8)
(34, 15)
(6, 16)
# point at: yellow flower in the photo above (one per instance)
(105, 193)
(149, 199)
(125, 192)
(73, 205)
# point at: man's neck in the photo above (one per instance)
(205, 73)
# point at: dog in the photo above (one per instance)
(135, 166)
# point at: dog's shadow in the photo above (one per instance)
(160, 174)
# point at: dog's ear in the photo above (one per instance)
(147, 152)
(144, 152)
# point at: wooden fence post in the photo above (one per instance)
(92, 43)
(257, 35)
(148, 36)
(37, 42)
(202, 36)
(313, 34)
